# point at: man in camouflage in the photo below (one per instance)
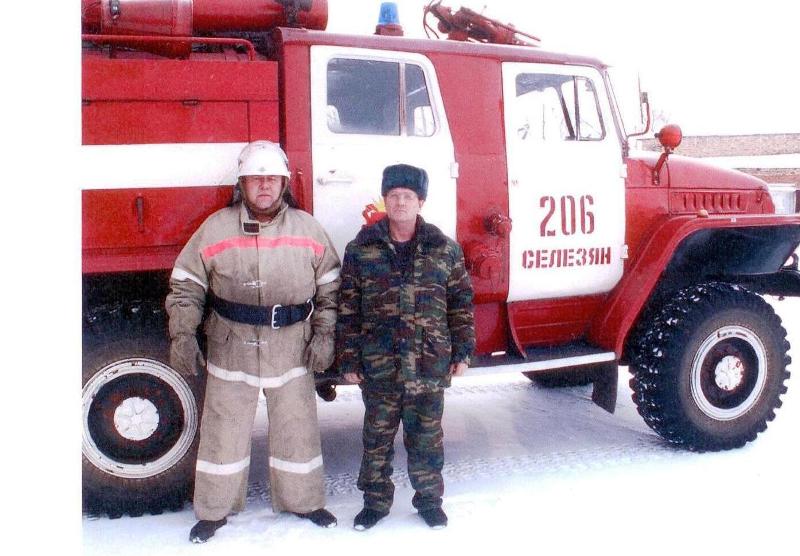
(405, 326)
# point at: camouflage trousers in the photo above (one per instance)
(421, 415)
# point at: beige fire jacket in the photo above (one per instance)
(289, 261)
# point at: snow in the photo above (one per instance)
(544, 471)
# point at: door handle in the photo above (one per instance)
(140, 213)
(335, 176)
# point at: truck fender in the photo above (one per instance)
(673, 245)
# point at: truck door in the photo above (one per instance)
(566, 182)
(370, 109)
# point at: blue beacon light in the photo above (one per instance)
(389, 21)
(388, 15)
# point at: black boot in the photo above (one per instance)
(367, 518)
(205, 529)
(327, 391)
(321, 517)
(435, 518)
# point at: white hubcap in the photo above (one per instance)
(729, 373)
(136, 418)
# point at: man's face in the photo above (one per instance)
(262, 192)
(402, 205)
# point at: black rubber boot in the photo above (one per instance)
(367, 519)
(435, 518)
(204, 530)
(321, 517)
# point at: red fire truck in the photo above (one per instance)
(583, 253)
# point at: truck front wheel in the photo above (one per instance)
(140, 418)
(709, 368)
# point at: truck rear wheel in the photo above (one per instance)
(140, 417)
(709, 368)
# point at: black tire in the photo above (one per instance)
(709, 367)
(562, 378)
(140, 417)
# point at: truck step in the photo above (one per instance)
(577, 354)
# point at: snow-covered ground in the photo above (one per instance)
(539, 471)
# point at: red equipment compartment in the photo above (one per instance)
(200, 78)
(131, 122)
(111, 217)
(168, 101)
(143, 229)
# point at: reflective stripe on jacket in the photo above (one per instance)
(290, 260)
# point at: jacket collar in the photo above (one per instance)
(427, 235)
(250, 226)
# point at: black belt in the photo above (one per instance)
(275, 316)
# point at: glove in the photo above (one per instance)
(185, 355)
(319, 353)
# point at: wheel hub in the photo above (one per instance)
(139, 418)
(136, 418)
(729, 373)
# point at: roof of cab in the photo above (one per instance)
(506, 53)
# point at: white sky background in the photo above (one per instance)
(712, 66)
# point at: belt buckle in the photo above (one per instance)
(311, 301)
(273, 324)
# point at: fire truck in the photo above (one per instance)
(584, 253)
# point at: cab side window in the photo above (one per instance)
(373, 97)
(555, 107)
(418, 110)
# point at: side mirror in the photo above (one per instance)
(645, 112)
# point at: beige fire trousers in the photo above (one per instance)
(295, 455)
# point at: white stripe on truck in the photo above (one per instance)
(158, 165)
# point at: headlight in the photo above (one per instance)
(785, 197)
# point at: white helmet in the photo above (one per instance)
(263, 158)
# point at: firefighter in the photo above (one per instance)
(269, 276)
(405, 326)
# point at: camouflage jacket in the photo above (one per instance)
(394, 328)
